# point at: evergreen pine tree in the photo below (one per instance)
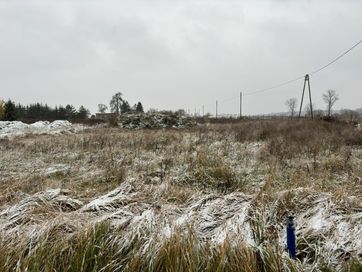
(125, 107)
(82, 113)
(70, 112)
(139, 107)
(10, 111)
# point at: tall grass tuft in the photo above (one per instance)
(210, 171)
(103, 248)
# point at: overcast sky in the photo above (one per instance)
(173, 54)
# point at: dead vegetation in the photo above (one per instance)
(209, 198)
(154, 120)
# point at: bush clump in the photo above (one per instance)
(155, 120)
(291, 138)
(212, 172)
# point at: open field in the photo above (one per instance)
(210, 198)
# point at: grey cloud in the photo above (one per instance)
(176, 54)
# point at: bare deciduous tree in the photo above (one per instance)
(330, 97)
(116, 103)
(291, 103)
(102, 108)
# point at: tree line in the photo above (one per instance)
(119, 105)
(9, 111)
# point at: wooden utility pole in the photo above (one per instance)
(310, 98)
(306, 79)
(241, 104)
(301, 101)
(203, 110)
(216, 109)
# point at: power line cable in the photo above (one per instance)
(336, 59)
(275, 86)
(302, 77)
(298, 78)
(227, 99)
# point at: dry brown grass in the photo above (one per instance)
(205, 174)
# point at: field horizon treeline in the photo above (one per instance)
(118, 105)
(11, 111)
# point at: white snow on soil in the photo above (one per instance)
(17, 128)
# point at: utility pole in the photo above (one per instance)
(241, 104)
(203, 110)
(301, 101)
(310, 98)
(306, 79)
(216, 110)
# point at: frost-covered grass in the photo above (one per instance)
(211, 198)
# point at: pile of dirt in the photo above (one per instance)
(155, 120)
